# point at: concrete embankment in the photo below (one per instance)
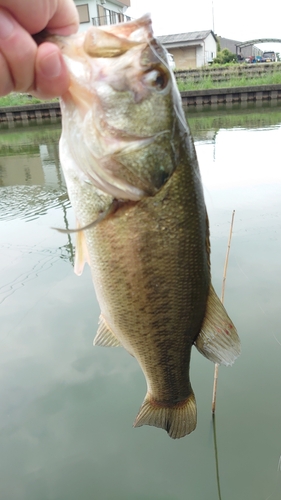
(24, 113)
(232, 95)
(192, 98)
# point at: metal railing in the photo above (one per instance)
(111, 18)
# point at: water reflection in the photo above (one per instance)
(30, 202)
(67, 408)
(31, 158)
(32, 182)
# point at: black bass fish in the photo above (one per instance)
(134, 184)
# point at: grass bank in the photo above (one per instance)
(208, 83)
(20, 100)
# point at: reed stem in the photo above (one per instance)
(216, 373)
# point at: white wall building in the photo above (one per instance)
(191, 50)
(100, 12)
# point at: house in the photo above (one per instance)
(242, 52)
(191, 50)
(100, 12)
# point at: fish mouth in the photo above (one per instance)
(117, 70)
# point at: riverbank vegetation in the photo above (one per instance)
(16, 99)
(207, 82)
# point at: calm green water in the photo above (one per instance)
(67, 408)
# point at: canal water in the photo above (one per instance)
(67, 407)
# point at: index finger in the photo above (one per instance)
(58, 16)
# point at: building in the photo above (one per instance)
(242, 52)
(191, 50)
(100, 12)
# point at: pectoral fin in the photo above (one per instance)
(104, 336)
(103, 215)
(81, 252)
(218, 339)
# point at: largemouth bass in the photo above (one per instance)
(134, 184)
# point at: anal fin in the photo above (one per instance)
(178, 420)
(105, 337)
(218, 339)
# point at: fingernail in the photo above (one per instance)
(51, 65)
(6, 25)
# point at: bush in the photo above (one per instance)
(225, 56)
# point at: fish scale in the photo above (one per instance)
(167, 299)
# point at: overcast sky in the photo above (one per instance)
(240, 20)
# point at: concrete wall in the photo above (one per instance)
(184, 57)
(250, 50)
(206, 51)
(210, 49)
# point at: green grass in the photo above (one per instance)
(208, 83)
(20, 99)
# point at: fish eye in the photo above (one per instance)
(157, 78)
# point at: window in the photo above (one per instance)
(83, 11)
(107, 16)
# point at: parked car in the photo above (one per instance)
(253, 59)
(268, 57)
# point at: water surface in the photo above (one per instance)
(67, 408)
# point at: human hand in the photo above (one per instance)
(25, 67)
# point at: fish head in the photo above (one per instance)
(121, 113)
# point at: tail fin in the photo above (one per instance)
(218, 339)
(178, 420)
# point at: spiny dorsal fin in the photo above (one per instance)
(104, 336)
(218, 339)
